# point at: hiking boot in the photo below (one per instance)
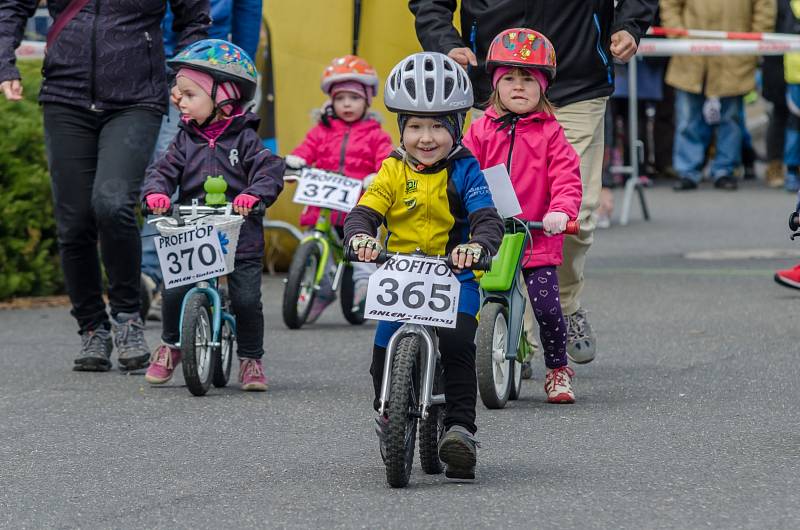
(558, 385)
(162, 364)
(95, 353)
(459, 450)
(132, 350)
(251, 375)
(774, 176)
(727, 183)
(581, 342)
(789, 277)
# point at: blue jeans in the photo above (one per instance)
(693, 136)
(150, 265)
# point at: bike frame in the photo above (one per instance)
(513, 298)
(209, 288)
(430, 350)
(327, 238)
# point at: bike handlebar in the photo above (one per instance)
(257, 209)
(573, 227)
(484, 263)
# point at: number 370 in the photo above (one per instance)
(413, 297)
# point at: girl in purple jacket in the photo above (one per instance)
(218, 137)
(348, 140)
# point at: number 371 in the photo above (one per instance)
(413, 297)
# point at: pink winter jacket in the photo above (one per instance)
(545, 172)
(353, 149)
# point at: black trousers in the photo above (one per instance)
(97, 163)
(457, 346)
(244, 288)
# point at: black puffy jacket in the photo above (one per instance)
(109, 56)
(580, 31)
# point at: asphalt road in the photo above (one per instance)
(687, 419)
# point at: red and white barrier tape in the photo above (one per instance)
(716, 34)
(670, 47)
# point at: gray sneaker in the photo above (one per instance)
(132, 350)
(459, 450)
(95, 351)
(581, 342)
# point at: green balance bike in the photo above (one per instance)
(308, 268)
(501, 349)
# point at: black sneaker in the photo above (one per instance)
(459, 450)
(95, 353)
(726, 183)
(129, 339)
(685, 184)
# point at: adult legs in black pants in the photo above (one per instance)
(97, 162)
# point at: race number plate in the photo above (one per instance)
(190, 256)
(327, 190)
(413, 289)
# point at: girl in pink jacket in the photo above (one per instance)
(348, 139)
(520, 130)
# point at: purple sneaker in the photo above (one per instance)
(251, 375)
(162, 363)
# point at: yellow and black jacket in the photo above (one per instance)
(433, 209)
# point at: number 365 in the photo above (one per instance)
(413, 297)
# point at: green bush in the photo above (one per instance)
(29, 263)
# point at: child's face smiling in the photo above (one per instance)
(193, 100)
(427, 140)
(349, 107)
(519, 93)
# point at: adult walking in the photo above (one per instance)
(709, 91)
(587, 37)
(103, 93)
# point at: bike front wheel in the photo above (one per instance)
(431, 430)
(196, 338)
(401, 427)
(223, 355)
(494, 370)
(300, 290)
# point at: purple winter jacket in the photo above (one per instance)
(238, 155)
(110, 56)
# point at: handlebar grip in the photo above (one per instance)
(484, 263)
(350, 254)
(573, 227)
(146, 211)
(258, 209)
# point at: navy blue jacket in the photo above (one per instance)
(238, 21)
(110, 56)
(238, 155)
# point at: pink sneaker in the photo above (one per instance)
(162, 363)
(251, 375)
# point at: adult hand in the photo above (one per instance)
(623, 46)
(12, 89)
(555, 223)
(463, 56)
(465, 255)
(367, 246)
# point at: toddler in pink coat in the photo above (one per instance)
(520, 130)
(348, 139)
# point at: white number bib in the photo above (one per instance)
(190, 256)
(327, 190)
(413, 289)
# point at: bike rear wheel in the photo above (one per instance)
(196, 337)
(516, 381)
(401, 427)
(300, 289)
(494, 370)
(431, 430)
(223, 355)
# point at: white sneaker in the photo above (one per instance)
(558, 385)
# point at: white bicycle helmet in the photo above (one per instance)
(428, 83)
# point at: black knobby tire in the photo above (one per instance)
(302, 271)
(223, 356)
(401, 427)
(516, 382)
(431, 430)
(348, 290)
(196, 349)
(494, 391)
